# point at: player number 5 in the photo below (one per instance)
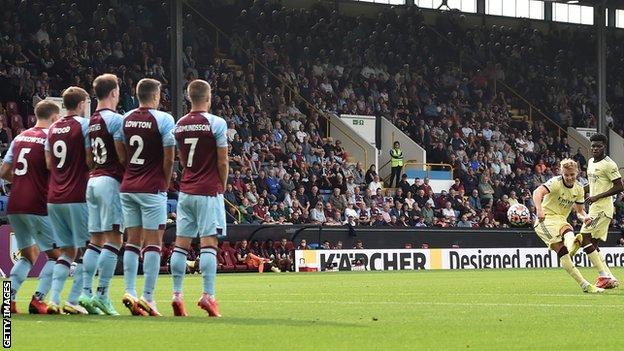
(22, 160)
(193, 143)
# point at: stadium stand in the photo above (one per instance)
(285, 170)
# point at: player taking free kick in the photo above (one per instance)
(553, 202)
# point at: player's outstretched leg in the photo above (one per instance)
(566, 263)
(572, 242)
(178, 270)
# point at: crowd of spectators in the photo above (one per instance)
(285, 170)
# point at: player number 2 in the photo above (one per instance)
(193, 143)
(60, 151)
(137, 141)
(99, 151)
(22, 160)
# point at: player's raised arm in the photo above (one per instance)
(538, 197)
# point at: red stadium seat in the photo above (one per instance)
(223, 262)
(230, 260)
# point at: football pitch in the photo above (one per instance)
(409, 310)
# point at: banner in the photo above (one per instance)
(412, 259)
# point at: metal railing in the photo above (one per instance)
(240, 215)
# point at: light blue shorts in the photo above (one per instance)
(32, 229)
(203, 215)
(144, 210)
(70, 224)
(104, 205)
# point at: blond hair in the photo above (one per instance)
(568, 164)
(198, 91)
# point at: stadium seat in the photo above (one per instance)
(224, 264)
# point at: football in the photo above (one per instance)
(518, 215)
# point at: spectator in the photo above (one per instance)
(244, 255)
(284, 256)
(465, 222)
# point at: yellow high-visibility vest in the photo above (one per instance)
(397, 158)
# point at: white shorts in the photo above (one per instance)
(203, 215)
(104, 205)
(148, 211)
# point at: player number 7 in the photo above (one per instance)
(193, 143)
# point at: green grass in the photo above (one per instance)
(482, 309)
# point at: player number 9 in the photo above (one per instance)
(60, 152)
